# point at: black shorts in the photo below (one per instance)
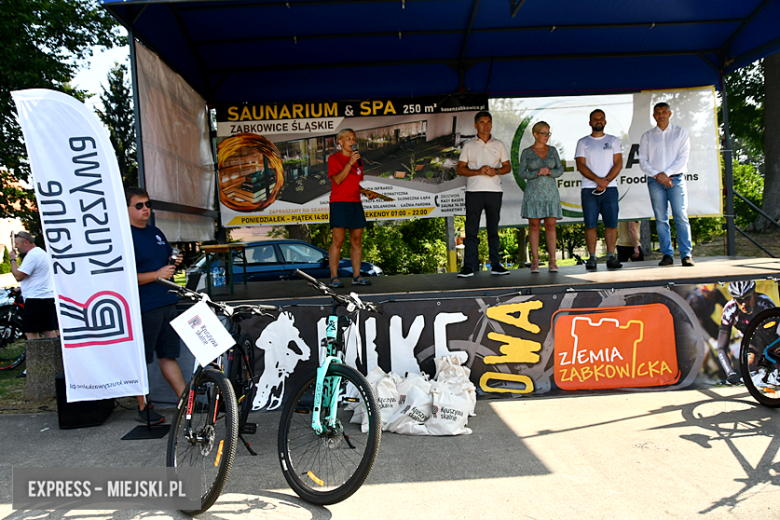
(347, 215)
(39, 315)
(159, 336)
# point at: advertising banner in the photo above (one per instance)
(272, 158)
(649, 338)
(85, 222)
(628, 117)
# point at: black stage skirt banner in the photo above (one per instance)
(644, 338)
(272, 158)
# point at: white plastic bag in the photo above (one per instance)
(410, 418)
(386, 392)
(450, 368)
(451, 409)
(408, 382)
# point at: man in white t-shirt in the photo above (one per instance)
(482, 161)
(599, 160)
(35, 277)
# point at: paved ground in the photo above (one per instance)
(707, 453)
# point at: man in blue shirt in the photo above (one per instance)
(158, 306)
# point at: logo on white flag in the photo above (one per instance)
(102, 320)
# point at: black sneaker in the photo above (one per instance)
(733, 378)
(466, 272)
(154, 417)
(590, 263)
(498, 269)
(666, 260)
(613, 263)
(688, 261)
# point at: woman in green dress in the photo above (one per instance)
(540, 166)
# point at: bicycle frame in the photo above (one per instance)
(328, 390)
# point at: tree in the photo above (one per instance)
(753, 95)
(43, 44)
(117, 115)
(771, 139)
(745, 96)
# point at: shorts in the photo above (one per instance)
(159, 336)
(626, 254)
(606, 204)
(39, 315)
(347, 215)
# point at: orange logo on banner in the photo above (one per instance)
(615, 347)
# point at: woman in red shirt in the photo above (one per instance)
(345, 171)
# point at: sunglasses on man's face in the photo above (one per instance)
(742, 301)
(140, 205)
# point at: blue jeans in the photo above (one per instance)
(661, 197)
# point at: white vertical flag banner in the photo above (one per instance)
(82, 206)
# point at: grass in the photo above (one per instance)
(12, 388)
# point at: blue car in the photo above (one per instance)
(271, 260)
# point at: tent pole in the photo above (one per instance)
(731, 249)
(139, 142)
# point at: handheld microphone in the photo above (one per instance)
(359, 161)
(174, 256)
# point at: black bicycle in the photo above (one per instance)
(12, 350)
(324, 456)
(213, 410)
(759, 357)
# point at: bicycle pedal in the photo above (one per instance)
(249, 429)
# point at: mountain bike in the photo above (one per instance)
(213, 410)
(759, 357)
(12, 349)
(325, 458)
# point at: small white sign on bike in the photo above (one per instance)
(200, 329)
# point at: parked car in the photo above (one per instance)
(277, 260)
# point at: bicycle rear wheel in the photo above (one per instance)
(241, 376)
(329, 467)
(12, 351)
(759, 373)
(208, 439)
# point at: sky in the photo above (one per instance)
(94, 76)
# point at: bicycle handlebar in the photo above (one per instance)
(219, 306)
(345, 300)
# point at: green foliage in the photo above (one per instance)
(117, 115)
(702, 229)
(570, 237)
(745, 96)
(750, 184)
(5, 266)
(406, 247)
(43, 44)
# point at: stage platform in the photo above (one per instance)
(519, 281)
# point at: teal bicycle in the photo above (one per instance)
(325, 457)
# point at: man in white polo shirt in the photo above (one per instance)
(482, 161)
(35, 278)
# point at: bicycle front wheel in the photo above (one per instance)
(328, 467)
(208, 439)
(760, 345)
(12, 342)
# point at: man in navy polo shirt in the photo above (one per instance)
(158, 306)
